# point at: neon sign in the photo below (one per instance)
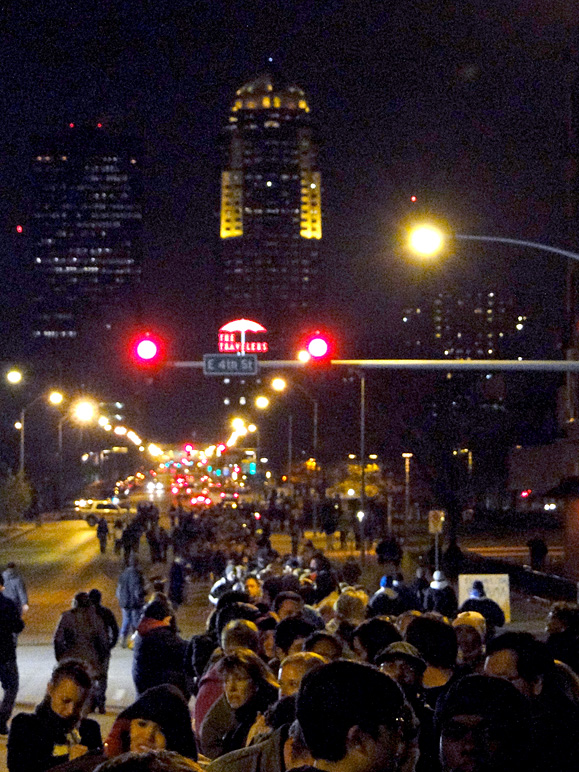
(229, 344)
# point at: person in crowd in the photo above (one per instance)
(151, 761)
(355, 719)
(112, 631)
(325, 578)
(266, 626)
(237, 634)
(289, 604)
(253, 588)
(470, 628)
(349, 613)
(372, 636)
(489, 608)
(10, 625)
(440, 596)
(385, 601)
(177, 582)
(418, 588)
(402, 662)
(325, 644)
(293, 669)
(55, 732)
(222, 585)
(283, 750)
(15, 588)
(519, 658)
(538, 552)
(351, 571)
(158, 720)
(563, 633)
(249, 688)
(102, 532)
(81, 634)
(159, 652)
(289, 638)
(436, 641)
(484, 727)
(270, 589)
(131, 596)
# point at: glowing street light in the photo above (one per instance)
(261, 402)
(84, 411)
(14, 377)
(238, 424)
(279, 384)
(18, 425)
(252, 428)
(426, 240)
(55, 398)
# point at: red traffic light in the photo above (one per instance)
(148, 350)
(318, 347)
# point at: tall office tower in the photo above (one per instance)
(85, 230)
(271, 212)
(466, 325)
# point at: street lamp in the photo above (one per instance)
(261, 402)
(14, 377)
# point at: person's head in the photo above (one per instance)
(470, 628)
(81, 600)
(293, 669)
(158, 609)
(270, 589)
(350, 606)
(266, 626)
(436, 641)
(325, 644)
(151, 761)
(95, 597)
(402, 662)
(372, 636)
(477, 589)
(288, 604)
(239, 634)
(320, 562)
(68, 689)
(290, 635)
(404, 619)
(563, 616)
(295, 751)
(244, 674)
(484, 726)
(234, 611)
(521, 659)
(158, 720)
(350, 712)
(252, 587)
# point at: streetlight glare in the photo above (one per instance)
(261, 403)
(84, 411)
(252, 428)
(18, 425)
(14, 376)
(278, 384)
(238, 424)
(426, 240)
(304, 356)
(55, 398)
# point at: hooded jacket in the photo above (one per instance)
(158, 657)
(166, 706)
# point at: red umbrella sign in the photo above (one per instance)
(228, 343)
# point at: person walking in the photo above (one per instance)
(102, 533)
(112, 630)
(10, 625)
(15, 589)
(131, 596)
(177, 582)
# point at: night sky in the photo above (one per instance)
(462, 104)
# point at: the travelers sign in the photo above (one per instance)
(229, 344)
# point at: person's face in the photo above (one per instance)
(289, 608)
(67, 699)
(252, 587)
(469, 642)
(146, 736)
(239, 688)
(290, 678)
(469, 743)
(403, 673)
(268, 643)
(503, 664)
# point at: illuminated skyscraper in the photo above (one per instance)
(271, 209)
(85, 229)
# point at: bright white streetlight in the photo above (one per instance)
(55, 398)
(14, 376)
(84, 411)
(426, 240)
(252, 428)
(238, 424)
(18, 425)
(278, 384)
(262, 403)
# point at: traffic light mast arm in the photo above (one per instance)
(486, 365)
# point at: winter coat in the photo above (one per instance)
(131, 588)
(110, 623)
(266, 756)
(81, 634)
(444, 601)
(166, 706)
(15, 589)
(158, 657)
(176, 583)
(10, 623)
(38, 741)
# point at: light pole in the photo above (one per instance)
(407, 457)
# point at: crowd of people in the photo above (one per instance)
(300, 667)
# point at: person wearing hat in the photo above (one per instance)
(483, 724)
(470, 628)
(440, 596)
(402, 662)
(489, 608)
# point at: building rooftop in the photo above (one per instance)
(270, 92)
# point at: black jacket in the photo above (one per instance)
(10, 623)
(38, 741)
(158, 658)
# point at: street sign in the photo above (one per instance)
(229, 364)
(436, 521)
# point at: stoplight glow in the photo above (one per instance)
(147, 349)
(318, 347)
